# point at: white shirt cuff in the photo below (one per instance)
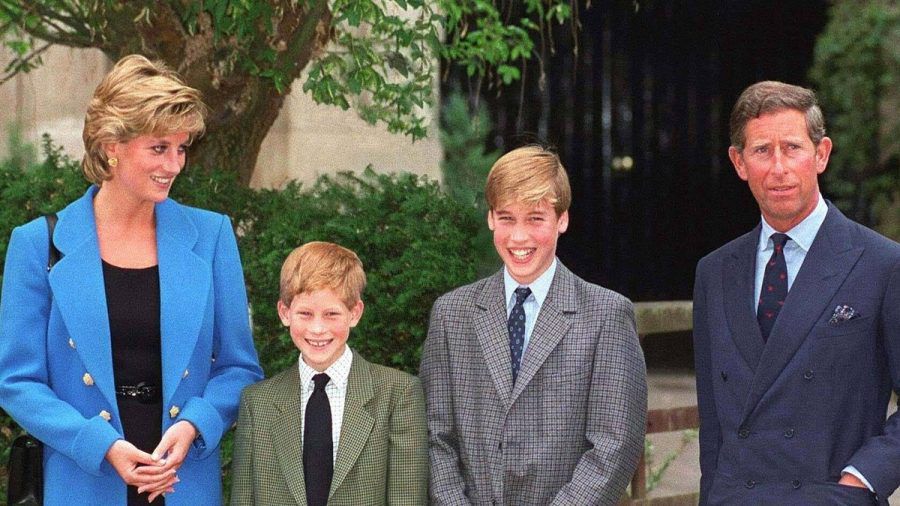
(852, 470)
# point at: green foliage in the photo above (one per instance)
(414, 241)
(378, 55)
(657, 471)
(466, 164)
(856, 71)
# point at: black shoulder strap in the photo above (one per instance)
(54, 254)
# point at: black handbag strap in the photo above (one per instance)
(54, 254)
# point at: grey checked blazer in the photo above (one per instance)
(571, 430)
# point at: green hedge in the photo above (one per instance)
(414, 241)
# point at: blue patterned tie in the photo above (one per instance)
(774, 287)
(516, 327)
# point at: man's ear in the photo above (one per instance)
(490, 220)
(737, 159)
(356, 313)
(284, 312)
(823, 152)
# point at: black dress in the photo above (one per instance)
(132, 301)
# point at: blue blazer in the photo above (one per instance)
(56, 375)
(780, 420)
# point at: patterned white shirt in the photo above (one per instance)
(336, 389)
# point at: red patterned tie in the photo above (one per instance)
(774, 287)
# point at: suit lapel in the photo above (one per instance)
(184, 281)
(738, 282)
(287, 433)
(491, 333)
(828, 262)
(357, 423)
(80, 294)
(549, 328)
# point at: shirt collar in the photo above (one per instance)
(802, 234)
(540, 287)
(339, 371)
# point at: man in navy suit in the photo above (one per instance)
(796, 328)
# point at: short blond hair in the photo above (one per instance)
(137, 97)
(321, 265)
(529, 175)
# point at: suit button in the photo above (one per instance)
(185, 374)
(789, 433)
(173, 411)
(104, 414)
(500, 445)
(795, 484)
(88, 380)
(750, 484)
(71, 343)
(724, 376)
(808, 375)
(744, 433)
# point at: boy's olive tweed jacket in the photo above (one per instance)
(382, 455)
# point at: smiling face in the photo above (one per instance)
(147, 167)
(525, 237)
(320, 324)
(781, 165)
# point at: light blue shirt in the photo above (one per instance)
(540, 287)
(802, 236)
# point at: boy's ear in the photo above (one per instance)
(284, 312)
(356, 313)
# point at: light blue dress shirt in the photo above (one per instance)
(802, 236)
(540, 287)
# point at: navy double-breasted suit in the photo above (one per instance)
(56, 375)
(780, 420)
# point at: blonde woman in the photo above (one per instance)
(127, 359)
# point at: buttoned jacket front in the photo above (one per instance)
(57, 379)
(781, 419)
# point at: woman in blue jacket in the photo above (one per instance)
(128, 357)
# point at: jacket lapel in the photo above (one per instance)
(828, 262)
(287, 435)
(549, 328)
(76, 282)
(184, 281)
(358, 422)
(738, 283)
(490, 331)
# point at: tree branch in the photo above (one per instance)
(15, 71)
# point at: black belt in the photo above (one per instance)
(143, 392)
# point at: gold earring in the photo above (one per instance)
(112, 162)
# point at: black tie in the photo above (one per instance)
(318, 465)
(774, 287)
(516, 327)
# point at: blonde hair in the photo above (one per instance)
(137, 97)
(322, 265)
(767, 97)
(529, 175)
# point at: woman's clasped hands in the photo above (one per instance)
(154, 473)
